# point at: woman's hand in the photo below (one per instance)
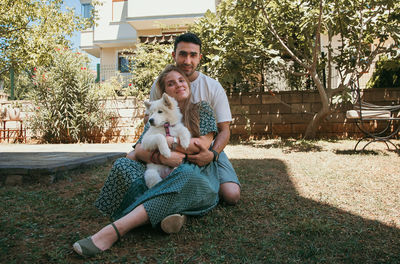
(174, 160)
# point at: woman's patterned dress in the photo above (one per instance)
(188, 189)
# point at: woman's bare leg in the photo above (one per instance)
(107, 236)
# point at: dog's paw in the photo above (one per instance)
(184, 141)
(151, 178)
(165, 151)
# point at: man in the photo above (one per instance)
(187, 56)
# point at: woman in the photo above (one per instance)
(188, 190)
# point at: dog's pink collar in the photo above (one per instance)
(166, 127)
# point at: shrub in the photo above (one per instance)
(386, 74)
(147, 62)
(22, 85)
(67, 105)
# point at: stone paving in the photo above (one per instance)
(44, 163)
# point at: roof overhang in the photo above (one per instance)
(95, 50)
(92, 50)
(115, 43)
(158, 22)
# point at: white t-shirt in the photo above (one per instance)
(207, 89)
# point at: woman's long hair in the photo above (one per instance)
(189, 110)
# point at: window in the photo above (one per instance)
(86, 10)
(123, 62)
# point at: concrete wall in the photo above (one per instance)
(105, 31)
(261, 115)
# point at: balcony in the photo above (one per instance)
(154, 14)
(87, 43)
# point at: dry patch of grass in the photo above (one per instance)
(302, 202)
(330, 172)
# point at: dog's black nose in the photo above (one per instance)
(151, 120)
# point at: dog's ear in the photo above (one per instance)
(167, 101)
(147, 104)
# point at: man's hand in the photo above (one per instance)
(203, 157)
(174, 161)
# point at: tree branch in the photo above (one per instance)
(285, 47)
(317, 38)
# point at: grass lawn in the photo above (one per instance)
(302, 202)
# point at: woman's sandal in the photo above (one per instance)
(173, 223)
(86, 248)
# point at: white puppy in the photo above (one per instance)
(162, 112)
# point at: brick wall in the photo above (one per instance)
(286, 114)
(282, 114)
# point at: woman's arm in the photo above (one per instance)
(205, 141)
(174, 160)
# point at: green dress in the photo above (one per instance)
(188, 189)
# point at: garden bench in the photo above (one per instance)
(385, 119)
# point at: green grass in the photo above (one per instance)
(301, 203)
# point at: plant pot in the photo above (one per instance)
(14, 114)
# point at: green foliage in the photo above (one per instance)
(240, 52)
(147, 62)
(22, 85)
(386, 74)
(67, 106)
(110, 87)
(31, 29)
(229, 47)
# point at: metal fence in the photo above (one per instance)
(111, 71)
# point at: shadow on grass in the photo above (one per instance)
(271, 224)
(286, 227)
(362, 149)
(288, 145)
(357, 152)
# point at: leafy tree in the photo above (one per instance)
(362, 28)
(67, 103)
(147, 62)
(289, 33)
(31, 29)
(232, 41)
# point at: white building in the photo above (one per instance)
(124, 23)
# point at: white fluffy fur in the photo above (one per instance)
(161, 111)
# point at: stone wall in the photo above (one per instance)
(260, 115)
(126, 122)
(286, 114)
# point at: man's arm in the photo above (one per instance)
(205, 156)
(223, 136)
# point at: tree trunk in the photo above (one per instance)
(312, 127)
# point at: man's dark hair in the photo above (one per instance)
(187, 37)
